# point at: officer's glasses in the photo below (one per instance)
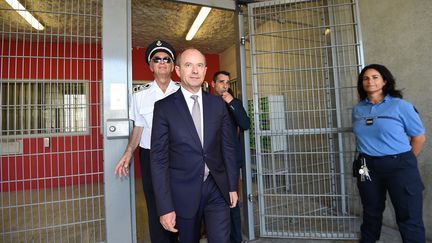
(160, 59)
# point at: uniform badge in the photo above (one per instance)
(141, 87)
(159, 43)
(369, 121)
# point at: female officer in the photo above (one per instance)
(389, 136)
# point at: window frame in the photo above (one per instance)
(26, 131)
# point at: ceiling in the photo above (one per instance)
(151, 19)
(171, 21)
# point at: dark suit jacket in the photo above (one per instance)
(240, 120)
(177, 157)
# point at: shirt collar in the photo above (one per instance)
(188, 94)
(387, 98)
(172, 86)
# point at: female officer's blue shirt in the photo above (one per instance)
(385, 128)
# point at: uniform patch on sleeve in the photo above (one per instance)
(141, 87)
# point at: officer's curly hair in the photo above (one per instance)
(388, 89)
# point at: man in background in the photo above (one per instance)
(160, 57)
(241, 122)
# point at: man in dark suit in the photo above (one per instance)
(193, 162)
(241, 121)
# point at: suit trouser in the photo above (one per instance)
(157, 233)
(216, 214)
(236, 233)
(399, 176)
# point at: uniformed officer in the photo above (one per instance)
(389, 136)
(160, 57)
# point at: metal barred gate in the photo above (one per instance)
(304, 60)
(51, 176)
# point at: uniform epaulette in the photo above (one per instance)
(141, 87)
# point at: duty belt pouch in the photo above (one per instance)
(356, 165)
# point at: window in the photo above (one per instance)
(43, 107)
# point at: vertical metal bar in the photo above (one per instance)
(341, 160)
(116, 72)
(15, 125)
(247, 171)
(261, 202)
(129, 83)
(358, 32)
(2, 133)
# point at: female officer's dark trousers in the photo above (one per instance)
(399, 176)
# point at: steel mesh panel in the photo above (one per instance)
(304, 60)
(51, 179)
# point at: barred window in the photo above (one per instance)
(43, 107)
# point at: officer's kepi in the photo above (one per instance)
(157, 46)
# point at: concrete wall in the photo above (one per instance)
(228, 61)
(398, 34)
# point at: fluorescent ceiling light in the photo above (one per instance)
(198, 22)
(25, 14)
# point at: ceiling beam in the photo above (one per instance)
(221, 4)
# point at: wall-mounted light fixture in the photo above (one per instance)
(25, 14)
(198, 22)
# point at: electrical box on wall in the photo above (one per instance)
(271, 118)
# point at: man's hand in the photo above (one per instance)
(227, 97)
(233, 199)
(168, 221)
(122, 167)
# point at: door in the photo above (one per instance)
(304, 61)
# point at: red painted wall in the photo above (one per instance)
(69, 159)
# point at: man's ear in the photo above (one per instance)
(177, 69)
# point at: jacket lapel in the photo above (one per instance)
(185, 116)
(206, 116)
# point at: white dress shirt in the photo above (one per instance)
(142, 105)
(189, 101)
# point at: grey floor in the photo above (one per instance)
(388, 235)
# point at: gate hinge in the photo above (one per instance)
(242, 41)
(250, 197)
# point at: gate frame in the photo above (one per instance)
(339, 129)
(117, 84)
